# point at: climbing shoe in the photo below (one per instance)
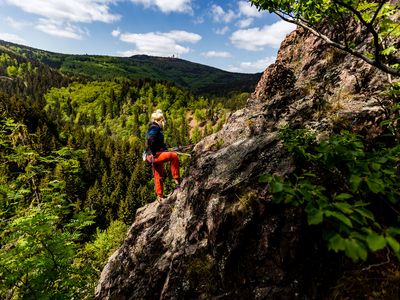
(161, 199)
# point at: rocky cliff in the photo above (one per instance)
(220, 237)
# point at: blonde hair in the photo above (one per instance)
(158, 117)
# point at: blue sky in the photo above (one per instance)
(230, 35)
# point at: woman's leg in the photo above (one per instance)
(158, 170)
(158, 174)
(172, 157)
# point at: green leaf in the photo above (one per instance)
(393, 243)
(355, 250)
(276, 186)
(343, 196)
(361, 204)
(358, 236)
(393, 231)
(376, 185)
(358, 219)
(389, 50)
(341, 217)
(309, 174)
(375, 166)
(386, 122)
(375, 241)
(315, 216)
(355, 181)
(337, 243)
(344, 207)
(365, 213)
(264, 178)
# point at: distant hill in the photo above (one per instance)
(196, 77)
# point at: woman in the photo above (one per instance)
(159, 155)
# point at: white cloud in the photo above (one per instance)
(222, 31)
(58, 17)
(221, 16)
(61, 29)
(116, 33)
(183, 36)
(72, 10)
(167, 6)
(13, 38)
(245, 22)
(253, 66)
(159, 43)
(17, 24)
(222, 54)
(255, 39)
(246, 9)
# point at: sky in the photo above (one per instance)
(230, 35)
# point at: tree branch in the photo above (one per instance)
(377, 12)
(332, 43)
(369, 27)
(380, 264)
(344, 27)
(53, 258)
(27, 284)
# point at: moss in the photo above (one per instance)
(200, 272)
(218, 144)
(251, 124)
(309, 88)
(334, 56)
(243, 205)
(333, 106)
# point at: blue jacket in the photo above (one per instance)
(155, 139)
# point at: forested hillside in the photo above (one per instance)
(290, 192)
(195, 77)
(71, 170)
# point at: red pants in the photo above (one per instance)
(158, 169)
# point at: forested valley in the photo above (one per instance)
(71, 171)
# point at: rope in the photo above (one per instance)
(181, 153)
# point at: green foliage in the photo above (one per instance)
(36, 255)
(236, 101)
(40, 232)
(96, 253)
(12, 71)
(122, 109)
(12, 68)
(392, 123)
(350, 190)
(196, 134)
(199, 115)
(378, 20)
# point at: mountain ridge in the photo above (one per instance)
(194, 76)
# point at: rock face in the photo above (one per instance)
(220, 237)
